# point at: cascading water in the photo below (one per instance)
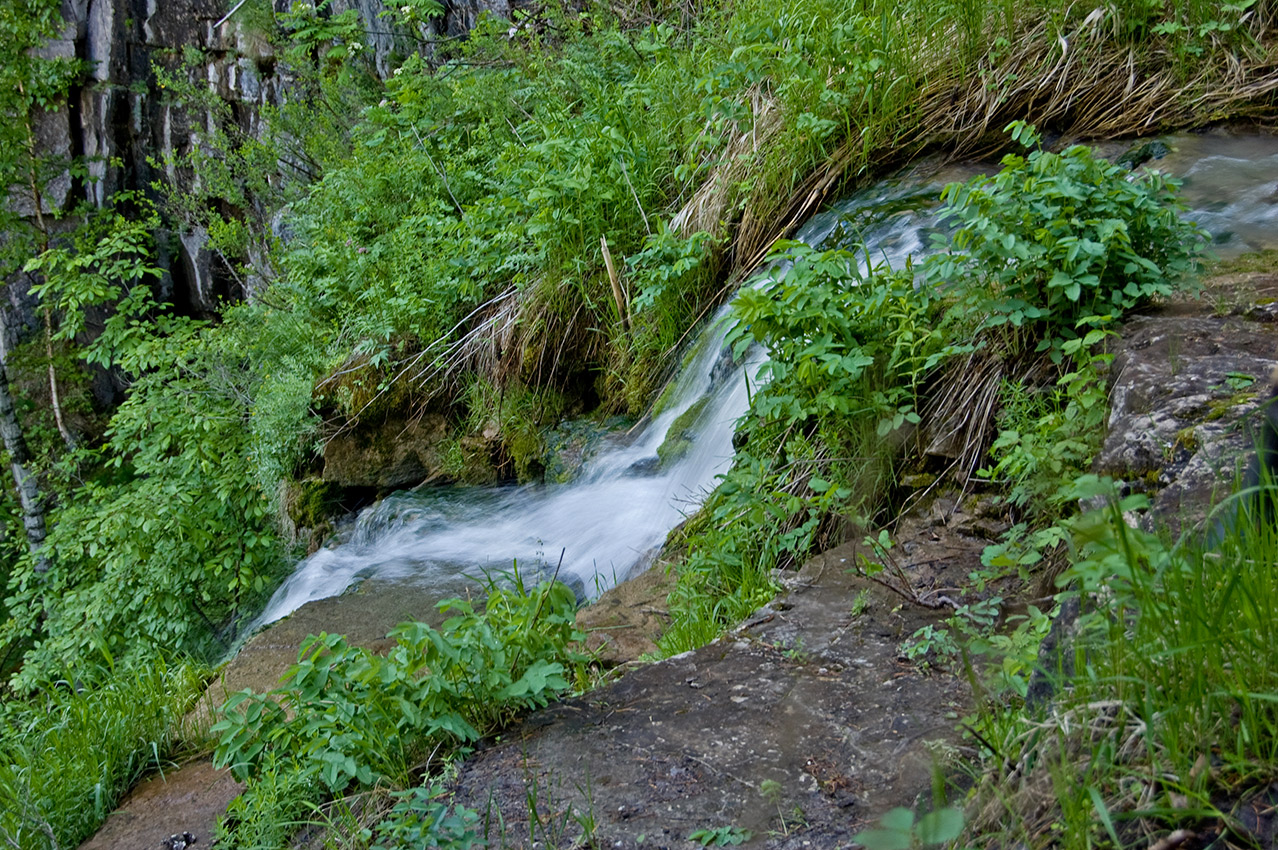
(619, 511)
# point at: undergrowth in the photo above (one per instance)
(68, 756)
(1163, 714)
(848, 348)
(345, 719)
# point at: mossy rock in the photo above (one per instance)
(570, 445)
(312, 502)
(469, 460)
(1222, 407)
(1143, 153)
(680, 437)
(360, 389)
(1253, 262)
(526, 451)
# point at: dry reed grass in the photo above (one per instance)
(1083, 83)
(708, 210)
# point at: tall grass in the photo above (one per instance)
(1171, 715)
(68, 755)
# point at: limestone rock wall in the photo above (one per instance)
(120, 121)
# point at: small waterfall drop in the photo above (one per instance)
(618, 512)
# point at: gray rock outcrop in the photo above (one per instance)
(1184, 395)
(131, 133)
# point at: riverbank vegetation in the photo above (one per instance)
(525, 225)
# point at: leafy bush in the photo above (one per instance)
(346, 715)
(180, 539)
(421, 819)
(1055, 244)
(1047, 438)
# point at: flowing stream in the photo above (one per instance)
(596, 530)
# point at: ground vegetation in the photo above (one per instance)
(528, 224)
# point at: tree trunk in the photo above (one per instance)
(28, 489)
(37, 200)
(67, 437)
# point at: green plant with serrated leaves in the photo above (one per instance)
(721, 836)
(849, 349)
(423, 818)
(1048, 437)
(1056, 245)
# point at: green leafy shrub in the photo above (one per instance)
(849, 349)
(1055, 244)
(1047, 438)
(345, 715)
(421, 819)
(900, 830)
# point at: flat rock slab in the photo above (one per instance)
(808, 694)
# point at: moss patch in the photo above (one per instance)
(1255, 261)
(681, 435)
(312, 502)
(1221, 407)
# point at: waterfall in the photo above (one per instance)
(616, 515)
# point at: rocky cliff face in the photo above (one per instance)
(120, 122)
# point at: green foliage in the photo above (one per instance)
(721, 836)
(1056, 244)
(282, 798)
(421, 819)
(108, 266)
(1047, 438)
(180, 539)
(345, 715)
(899, 830)
(69, 754)
(314, 32)
(842, 342)
(849, 349)
(1170, 670)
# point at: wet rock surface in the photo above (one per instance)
(187, 799)
(810, 694)
(395, 452)
(1185, 391)
(627, 620)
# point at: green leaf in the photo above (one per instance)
(883, 839)
(940, 826)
